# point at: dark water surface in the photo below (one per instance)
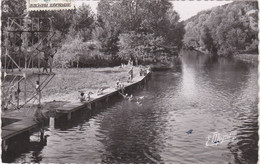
(201, 93)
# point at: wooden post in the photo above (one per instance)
(69, 116)
(20, 53)
(5, 146)
(89, 106)
(25, 88)
(52, 123)
(18, 92)
(42, 134)
(39, 91)
(6, 54)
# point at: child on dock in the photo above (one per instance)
(100, 91)
(88, 97)
(82, 97)
(118, 84)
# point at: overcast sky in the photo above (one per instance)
(186, 9)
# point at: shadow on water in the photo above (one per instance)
(245, 150)
(235, 80)
(231, 73)
(22, 144)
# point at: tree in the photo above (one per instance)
(82, 22)
(226, 30)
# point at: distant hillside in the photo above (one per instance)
(224, 30)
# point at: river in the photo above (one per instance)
(201, 93)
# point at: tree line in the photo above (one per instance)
(145, 31)
(141, 30)
(224, 30)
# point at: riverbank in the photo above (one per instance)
(249, 58)
(67, 84)
(246, 57)
(17, 122)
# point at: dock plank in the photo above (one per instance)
(71, 107)
(7, 133)
(20, 126)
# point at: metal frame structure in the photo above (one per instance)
(22, 38)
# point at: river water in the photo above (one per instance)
(201, 94)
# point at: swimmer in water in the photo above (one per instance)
(131, 98)
(125, 96)
(139, 103)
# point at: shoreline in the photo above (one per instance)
(20, 122)
(246, 57)
(249, 58)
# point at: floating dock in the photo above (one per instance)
(68, 109)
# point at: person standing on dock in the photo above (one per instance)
(16, 97)
(38, 91)
(132, 73)
(141, 70)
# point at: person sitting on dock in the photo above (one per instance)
(122, 87)
(100, 91)
(118, 84)
(82, 97)
(9, 101)
(88, 97)
(122, 65)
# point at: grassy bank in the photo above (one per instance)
(68, 82)
(66, 85)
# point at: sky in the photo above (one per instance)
(186, 9)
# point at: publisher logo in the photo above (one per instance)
(216, 138)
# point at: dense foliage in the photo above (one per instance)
(120, 30)
(143, 30)
(225, 30)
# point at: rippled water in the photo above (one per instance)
(201, 93)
